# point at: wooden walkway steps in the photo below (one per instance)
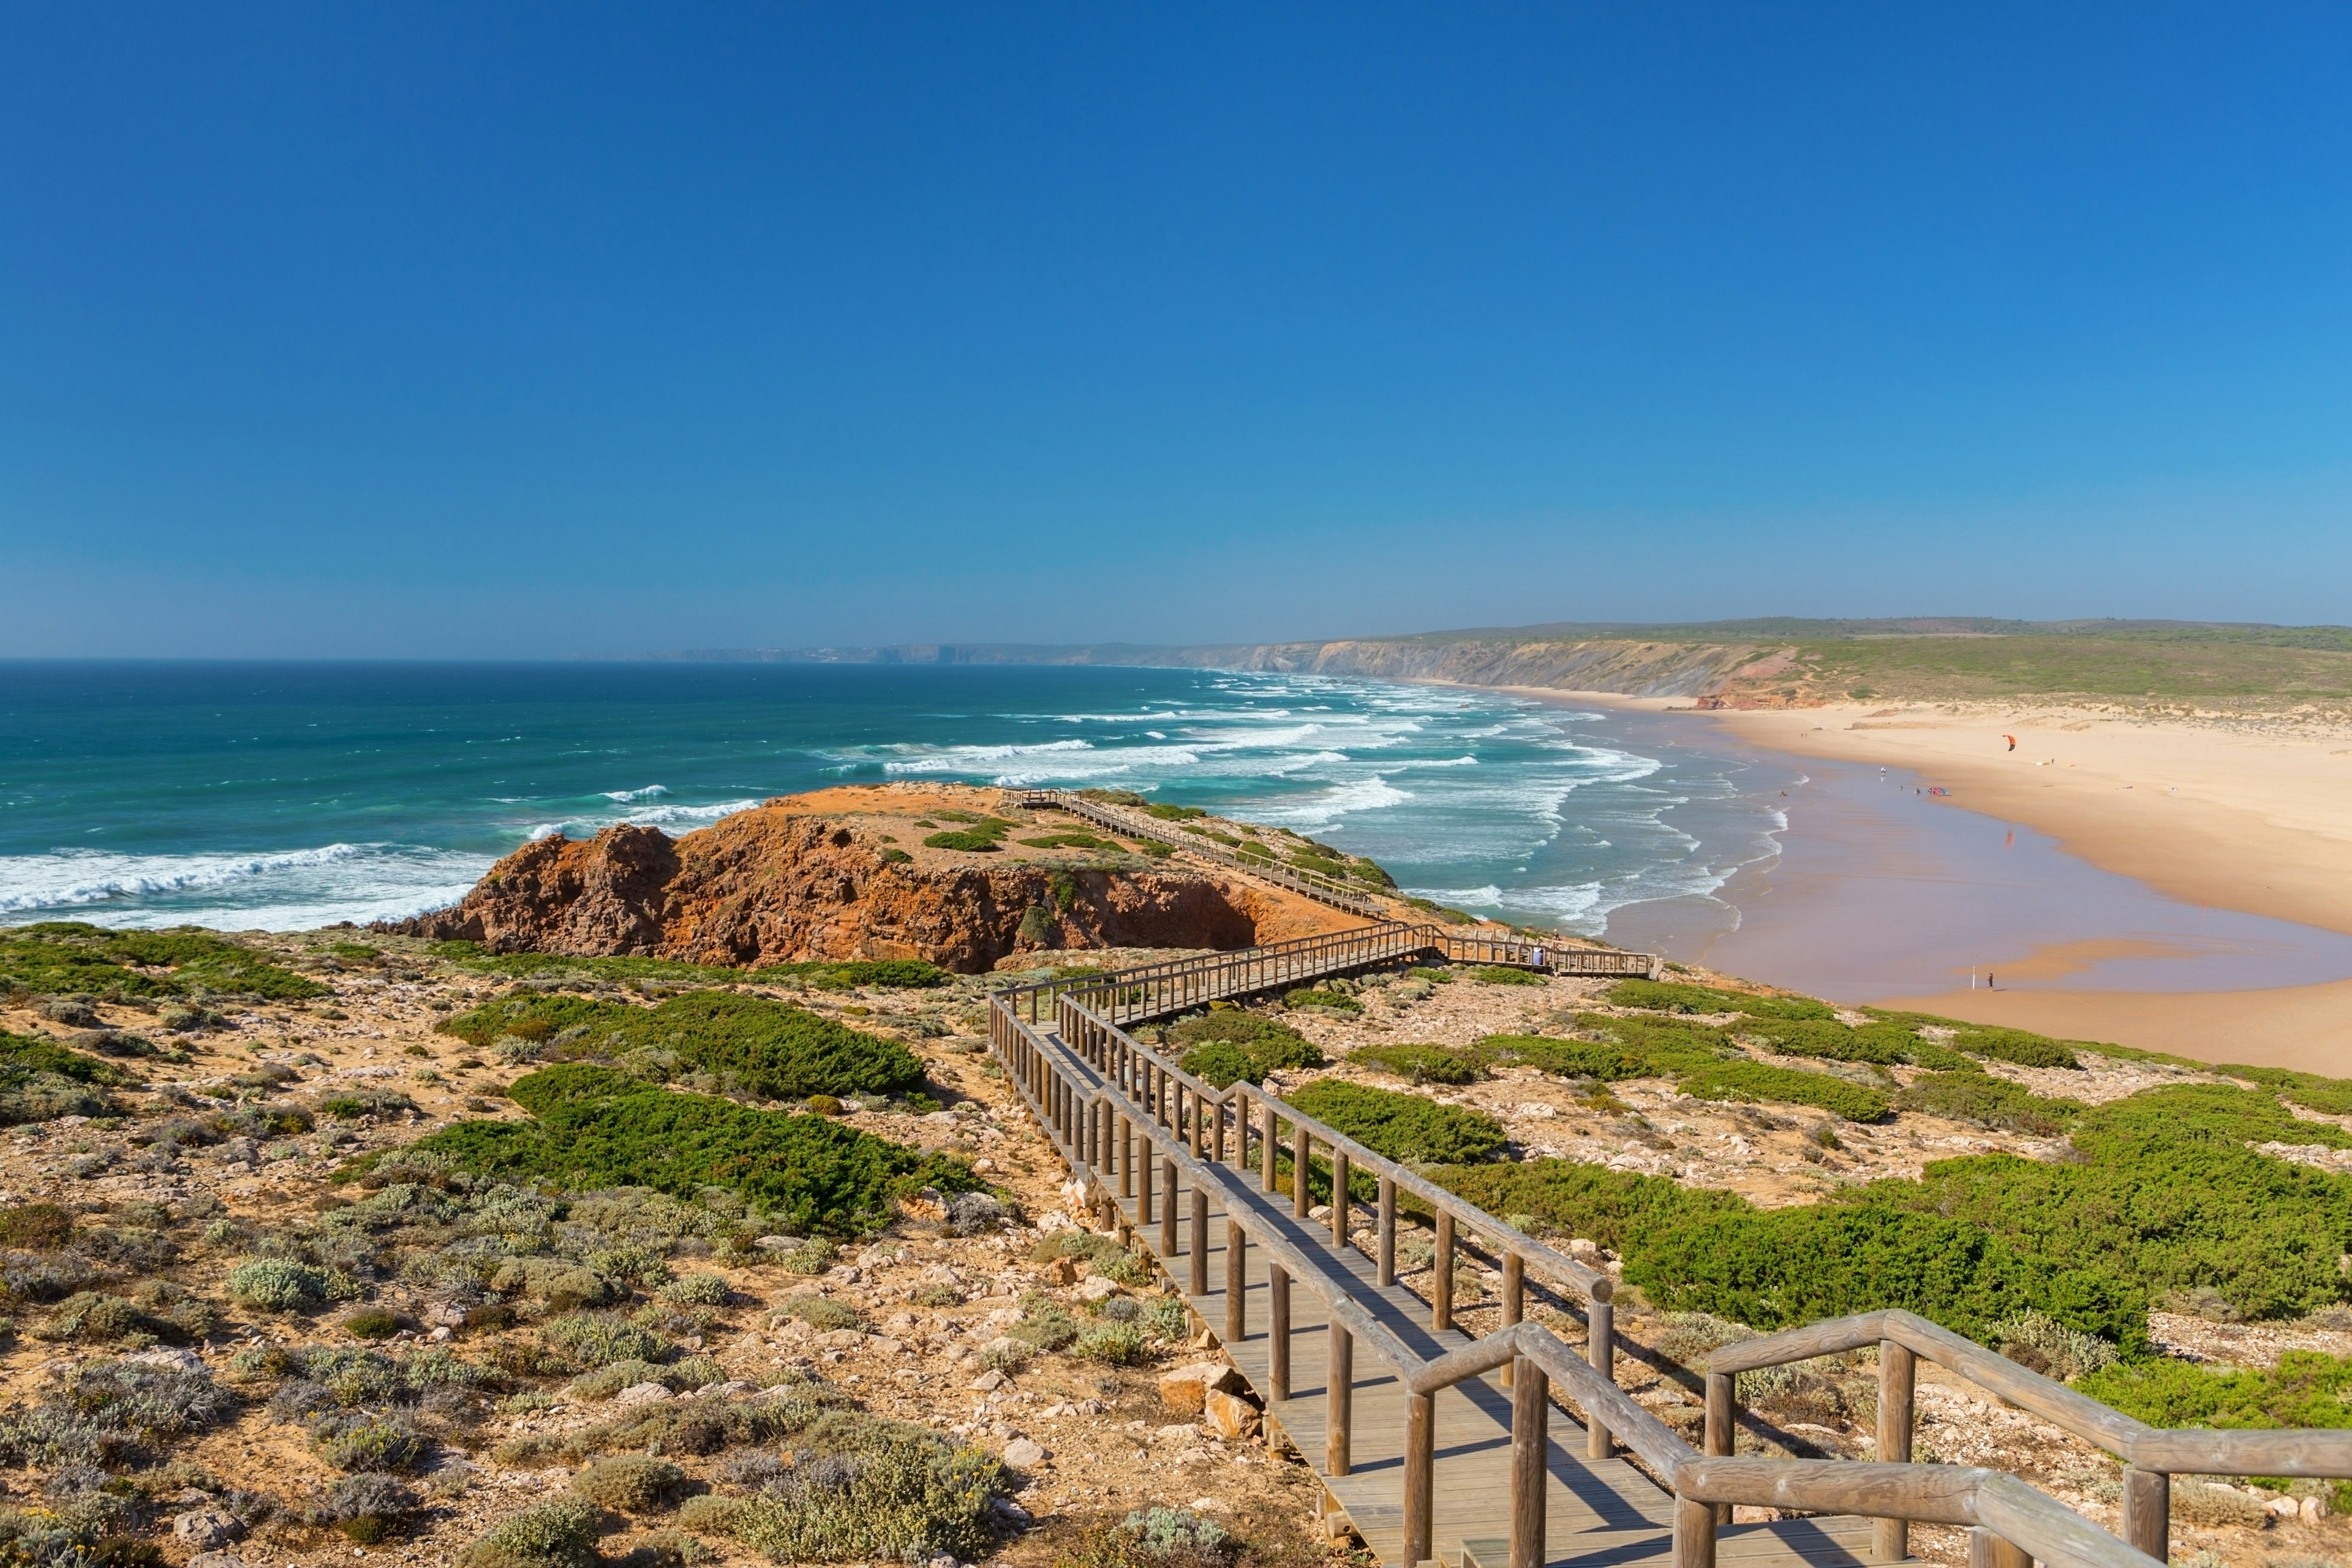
(1599, 1513)
(1449, 1450)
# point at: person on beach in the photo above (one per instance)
(1989, 980)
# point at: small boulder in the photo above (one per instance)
(642, 1393)
(203, 1529)
(1230, 1416)
(216, 1560)
(1024, 1454)
(1187, 1388)
(1096, 1287)
(987, 1382)
(1058, 1271)
(170, 1358)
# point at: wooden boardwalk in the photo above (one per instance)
(1433, 1454)
(1599, 1514)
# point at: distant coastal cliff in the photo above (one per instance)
(2209, 668)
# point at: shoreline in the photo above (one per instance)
(2238, 822)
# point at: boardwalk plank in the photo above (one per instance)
(1599, 1514)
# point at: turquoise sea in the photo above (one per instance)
(294, 796)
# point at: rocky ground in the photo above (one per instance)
(1091, 1442)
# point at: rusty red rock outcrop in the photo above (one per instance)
(777, 885)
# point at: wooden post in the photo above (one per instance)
(1339, 1197)
(1269, 1145)
(1236, 1282)
(1441, 1277)
(1126, 1157)
(1693, 1534)
(1719, 1427)
(1217, 1131)
(1513, 1306)
(1420, 1474)
(1388, 1230)
(1600, 1325)
(1143, 1200)
(1303, 1151)
(1987, 1550)
(1890, 1538)
(1168, 1217)
(2147, 1511)
(1200, 1241)
(1277, 1329)
(1339, 1401)
(1530, 1439)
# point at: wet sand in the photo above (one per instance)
(2206, 910)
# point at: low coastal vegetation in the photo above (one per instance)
(717, 1040)
(67, 958)
(593, 1127)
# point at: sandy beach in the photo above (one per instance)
(2206, 863)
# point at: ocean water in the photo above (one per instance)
(276, 796)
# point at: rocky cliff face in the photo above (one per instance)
(780, 884)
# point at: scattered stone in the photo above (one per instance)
(987, 1382)
(1187, 1388)
(1024, 1454)
(732, 1388)
(1061, 1271)
(1230, 1416)
(216, 1560)
(1097, 1288)
(167, 1357)
(207, 1528)
(641, 1393)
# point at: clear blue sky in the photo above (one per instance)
(512, 330)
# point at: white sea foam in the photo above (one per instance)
(286, 890)
(626, 796)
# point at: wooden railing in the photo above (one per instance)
(1139, 825)
(2152, 1456)
(1174, 985)
(1134, 1126)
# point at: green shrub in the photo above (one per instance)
(2041, 1343)
(1404, 1127)
(970, 840)
(879, 974)
(1114, 1343)
(595, 1338)
(1881, 1045)
(1785, 1086)
(1232, 1046)
(1156, 1538)
(1978, 1097)
(1423, 1063)
(561, 1533)
(595, 1128)
(1504, 975)
(632, 1483)
(866, 1488)
(1168, 812)
(1794, 1266)
(1567, 1058)
(2307, 1388)
(1664, 1049)
(372, 1324)
(282, 1285)
(69, 957)
(700, 1289)
(368, 1445)
(763, 1047)
(821, 1312)
(1044, 1326)
(1322, 997)
(2020, 1047)
(1615, 1208)
(1673, 996)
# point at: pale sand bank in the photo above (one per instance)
(2220, 815)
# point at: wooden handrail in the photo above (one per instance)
(1323, 889)
(1587, 1282)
